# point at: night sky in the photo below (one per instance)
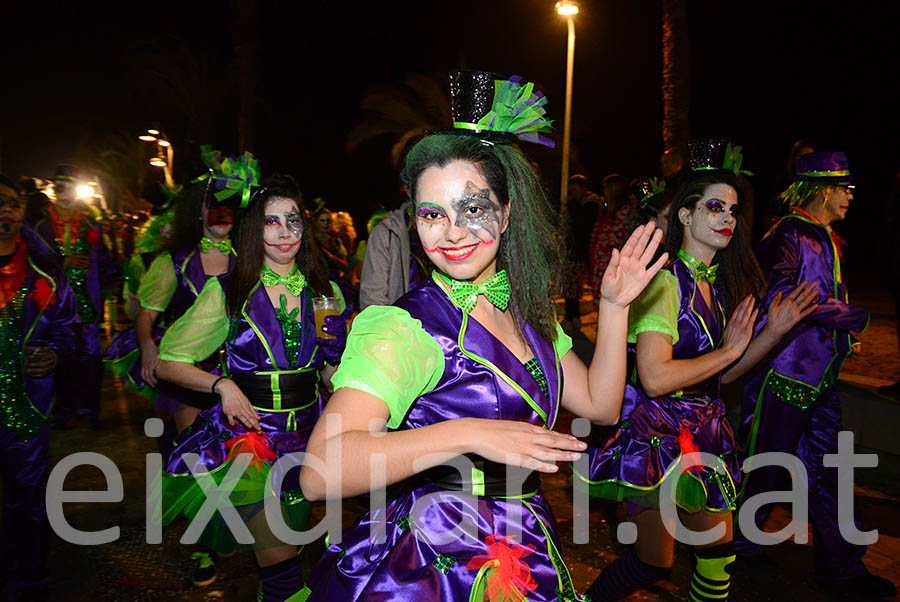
(762, 73)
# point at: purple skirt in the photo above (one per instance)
(215, 441)
(631, 460)
(420, 557)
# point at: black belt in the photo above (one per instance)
(706, 388)
(279, 391)
(488, 479)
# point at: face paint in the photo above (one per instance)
(477, 212)
(714, 218)
(12, 212)
(294, 223)
(459, 219)
(220, 216)
(282, 230)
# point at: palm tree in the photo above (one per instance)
(121, 162)
(676, 91)
(402, 112)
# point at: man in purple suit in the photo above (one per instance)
(37, 330)
(790, 401)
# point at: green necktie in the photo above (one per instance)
(698, 268)
(464, 294)
(294, 283)
(207, 244)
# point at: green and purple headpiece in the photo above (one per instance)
(716, 154)
(231, 180)
(495, 109)
(646, 190)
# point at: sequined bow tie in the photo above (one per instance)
(207, 244)
(464, 294)
(294, 283)
(698, 268)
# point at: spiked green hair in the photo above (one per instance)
(800, 193)
(149, 239)
(531, 249)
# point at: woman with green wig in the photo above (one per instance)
(449, 397)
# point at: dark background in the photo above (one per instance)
(762, 73)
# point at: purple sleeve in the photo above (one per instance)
(63, 315)
(786, 263)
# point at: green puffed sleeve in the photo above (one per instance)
(563, 342)
(134, 271)
(200, 331)
(158, 284)
(389, 355)
(657, 308)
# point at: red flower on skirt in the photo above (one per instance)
(43, 294)
(688, 449)
(250, 443)
(93, 237)
(510, 578)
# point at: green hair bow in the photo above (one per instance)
(733, 160)
(231, 175)
(518, 110)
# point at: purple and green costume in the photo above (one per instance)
(273, 357)
(170, 286)
(79, 377)
(790, 402)
(429, 362)
(41, 314)
(629, 461)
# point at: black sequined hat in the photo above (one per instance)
(716, 154)
(644, 190)
(496, 109)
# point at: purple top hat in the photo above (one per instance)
(824, 166)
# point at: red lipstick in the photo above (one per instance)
(724, 231)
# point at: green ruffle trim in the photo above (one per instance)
(691, 491)
(121, 368)
(182, 495)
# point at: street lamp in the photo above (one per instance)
(165, 153)
(568, 9)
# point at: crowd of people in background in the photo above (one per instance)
(239, 308)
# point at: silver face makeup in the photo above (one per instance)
(294, 223)
(477, 212)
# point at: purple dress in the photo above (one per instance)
(278, 371)
(481, 378)
(123, 356)
(790, 402)
(79, 377)
(629, 461)
(42, 313)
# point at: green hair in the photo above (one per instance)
(149, 239)
(531, 249)
(800, 193)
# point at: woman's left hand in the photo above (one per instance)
(336, 326)
(627, 273)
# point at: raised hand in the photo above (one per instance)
(522, 444)
(627, 273)
(739, 330)
(786, 311)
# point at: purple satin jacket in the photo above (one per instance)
(191, 278)
(794, 250)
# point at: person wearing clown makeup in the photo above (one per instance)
(67, 236)
(276, 365)
(791, 403)
(199, 248)
(38, 321)
(473, 366)
(683, 348)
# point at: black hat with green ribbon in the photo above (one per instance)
(230, 180)
(646, 189)
(716, 154)
(496, 109)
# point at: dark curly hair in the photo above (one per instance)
(739, 273)
(532, 247)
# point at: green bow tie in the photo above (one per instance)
(464, 294)
(294, 283)
(698, 268)
(207, 244)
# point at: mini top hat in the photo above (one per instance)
(496, 109)
(824, 166)
(716, 154)
(644, 190)
(65, 173)
(235, 179)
